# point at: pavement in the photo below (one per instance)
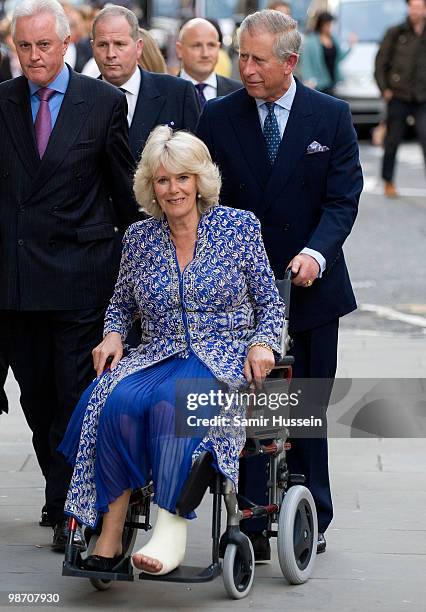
(376, 554)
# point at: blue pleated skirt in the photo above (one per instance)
(135, 439)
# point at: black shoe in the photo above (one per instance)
(261, 546)
(96, 563)
(44, 519)
(60, 537)
(322, 544)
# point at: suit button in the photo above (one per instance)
(286, 227)
(20, 242)
(4, 174)
(52, 243)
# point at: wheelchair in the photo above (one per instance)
(290, 513)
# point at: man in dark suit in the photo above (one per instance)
(290, 155)
(198, 49)
(153, 99)
(65, 193)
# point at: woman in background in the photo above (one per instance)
(151, 58)
(322, 54)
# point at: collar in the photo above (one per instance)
(409, 25)
(59, 83)
(286, 101)
(211, 79)
(132, 86)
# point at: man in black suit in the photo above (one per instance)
(65, 193)
(290, 155)
(198, 50)
(153, 99)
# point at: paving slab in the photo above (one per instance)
(376, 556)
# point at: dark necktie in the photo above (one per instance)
(200, 92)
(271, 132)
(43, 121)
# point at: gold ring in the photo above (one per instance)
(308, 283)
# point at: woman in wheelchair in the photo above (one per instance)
(197, 275)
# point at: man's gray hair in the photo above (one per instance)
(29, 8)
(118, 11)
(285, 27)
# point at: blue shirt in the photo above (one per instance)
(282, 111)
(59, 84)
(282, 107)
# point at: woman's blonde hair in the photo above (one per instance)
(151, 58)
(178, 152)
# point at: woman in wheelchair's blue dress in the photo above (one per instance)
(197, 275)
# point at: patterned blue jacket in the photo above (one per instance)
(227, 293)
(224, 300)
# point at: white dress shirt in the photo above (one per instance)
(282, 112)
(210, 91)
(131, 89)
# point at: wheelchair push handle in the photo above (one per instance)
(284, 289)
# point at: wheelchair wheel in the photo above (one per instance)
(297, 535)
(237, 580)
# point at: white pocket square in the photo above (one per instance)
(316, 147)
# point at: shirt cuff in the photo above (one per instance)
(318, 257)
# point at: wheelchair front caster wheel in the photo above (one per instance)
(100, 585)
(297, 535)
(237, 578)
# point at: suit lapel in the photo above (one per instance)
(222, 88)
(72, 115)
(148, 107)
(297, 136)
(246, 124)
(18, 119)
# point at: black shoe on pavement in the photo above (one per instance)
(60, 537)
(44, 519)
(261, 546)
(322, 544)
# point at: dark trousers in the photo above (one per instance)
(397, 113)
(315, 353)
(50, 356)
(3, 374)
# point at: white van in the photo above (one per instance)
(369, 20)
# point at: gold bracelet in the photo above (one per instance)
(263, 344)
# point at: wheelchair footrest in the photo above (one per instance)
(125, 572)
(187, 573)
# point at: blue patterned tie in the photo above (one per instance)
(271, 132)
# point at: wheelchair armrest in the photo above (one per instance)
(200, 477)
(287, 360)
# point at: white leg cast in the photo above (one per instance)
(167, 543)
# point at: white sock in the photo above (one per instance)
(167, 543)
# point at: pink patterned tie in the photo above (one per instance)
(43, 121)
